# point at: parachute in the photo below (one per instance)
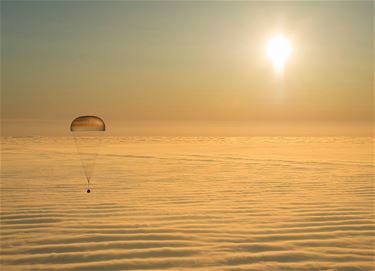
(87, 132)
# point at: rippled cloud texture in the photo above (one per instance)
(189, 204)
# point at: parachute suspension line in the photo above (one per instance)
(88, 160)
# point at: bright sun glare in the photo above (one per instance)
(278, 50)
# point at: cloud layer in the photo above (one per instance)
(189, 204)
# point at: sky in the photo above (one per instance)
(187, 68)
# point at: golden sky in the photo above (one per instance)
(187, 68)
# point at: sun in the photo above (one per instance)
(278, 50)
